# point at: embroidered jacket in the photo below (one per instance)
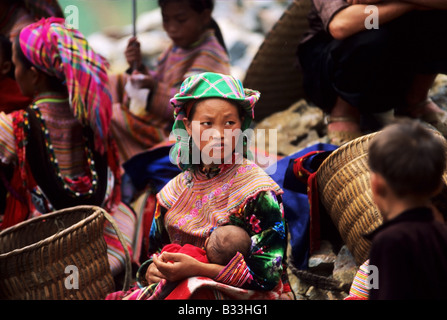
(192, 204)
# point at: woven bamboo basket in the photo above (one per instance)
(344, 188)
(274, 71)
(35, 254)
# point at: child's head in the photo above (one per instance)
(409, 158)
(186, 20)
(218, 122)
(212, 112)
(224, 242)
(6, 66)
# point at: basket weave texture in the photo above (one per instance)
(35, 253)
(344, 189)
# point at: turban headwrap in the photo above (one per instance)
(65, 54)
(205, 86)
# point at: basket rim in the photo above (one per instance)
(96, 211)
(345, 146)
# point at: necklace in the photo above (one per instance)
(69, 184)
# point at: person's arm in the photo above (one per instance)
(433, 4)
(351, 19)
(179, 266)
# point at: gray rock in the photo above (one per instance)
(296, 127)
(345, 266)
(322, 261)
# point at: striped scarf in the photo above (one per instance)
(65, 54)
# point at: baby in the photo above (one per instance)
(220, 247)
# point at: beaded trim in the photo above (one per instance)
(64, 180)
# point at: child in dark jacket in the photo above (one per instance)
(407, 163)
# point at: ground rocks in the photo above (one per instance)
(297, 127)
(329, 275)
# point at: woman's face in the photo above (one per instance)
(215, 128)
(23, 75)
(182, 24)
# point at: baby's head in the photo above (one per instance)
(224, 242)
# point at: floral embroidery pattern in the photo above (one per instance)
(254, 222)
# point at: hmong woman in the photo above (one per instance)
(59, 149)
(197, 46)
(221, 187)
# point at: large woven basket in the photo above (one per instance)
(344, 189)
(274, 71)
(39, 257)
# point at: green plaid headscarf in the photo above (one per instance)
(205, 86)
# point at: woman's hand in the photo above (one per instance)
(153, 275)
(176, 266)
(179, 266)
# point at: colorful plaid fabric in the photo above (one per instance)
(204, 86)
(65, 53)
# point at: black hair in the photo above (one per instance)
(410, 157)
(200, 6)
(6, 52)
(225, 241)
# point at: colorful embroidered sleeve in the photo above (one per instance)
(7, 141)
(263, 218)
